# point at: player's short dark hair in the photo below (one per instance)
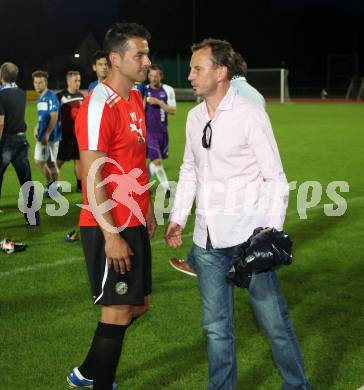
(98, 55)
(222, 52)
(72, 73)
(9, 72)
(156, 67)
(40, 73)
(116, 38)
(240, 67)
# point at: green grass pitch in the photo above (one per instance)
(47, 318)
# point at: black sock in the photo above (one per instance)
(79, 186)
(103, 357)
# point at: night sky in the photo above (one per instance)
(303, 35)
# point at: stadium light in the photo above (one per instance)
(76, 55)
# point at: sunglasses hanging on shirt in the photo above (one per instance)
(207, 135)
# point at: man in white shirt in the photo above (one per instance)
(231, 166)
(241, 85)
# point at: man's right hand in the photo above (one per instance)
(173, 235)
(118, 253)
(45, 139)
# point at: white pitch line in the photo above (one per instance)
(40, 266)
(57, 263)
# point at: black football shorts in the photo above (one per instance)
(68, 148)
(108, 286)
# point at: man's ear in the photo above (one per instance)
(114, 58)
(222, 73)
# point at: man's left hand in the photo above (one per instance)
(153, 100)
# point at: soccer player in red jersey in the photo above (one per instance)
(117, 219)
(70, 100)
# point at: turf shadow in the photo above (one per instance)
(168, 367)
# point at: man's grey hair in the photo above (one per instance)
(9, 72)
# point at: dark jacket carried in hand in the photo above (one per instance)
(264, 250)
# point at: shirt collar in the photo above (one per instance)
(237, 77)
(225, 104)
(9, 85)
(41, 96)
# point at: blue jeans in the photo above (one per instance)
(211, 266)
(14, 150)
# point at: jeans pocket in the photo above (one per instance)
(190, 259)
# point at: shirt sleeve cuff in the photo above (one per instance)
(179, 218)
(275, 222)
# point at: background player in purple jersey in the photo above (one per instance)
(70, 100)
(160, 101)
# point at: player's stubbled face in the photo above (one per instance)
(74, 83)
(101, 68)
(155, 78)
(135, 61)
(40, 84)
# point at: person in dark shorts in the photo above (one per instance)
(14, 146)
(70, 100)
(117, 219)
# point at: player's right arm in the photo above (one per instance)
(184, 197)
(51, 125)
(36, 131)
(2, 118)
(117, 250)
(2, 121)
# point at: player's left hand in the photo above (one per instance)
(153, 100)
(151, 221)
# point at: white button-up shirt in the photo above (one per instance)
(238, 183)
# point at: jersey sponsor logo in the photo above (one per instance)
(42, 106)
(133, 116)
(134, 127)
(69, 99)
(139, 131)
